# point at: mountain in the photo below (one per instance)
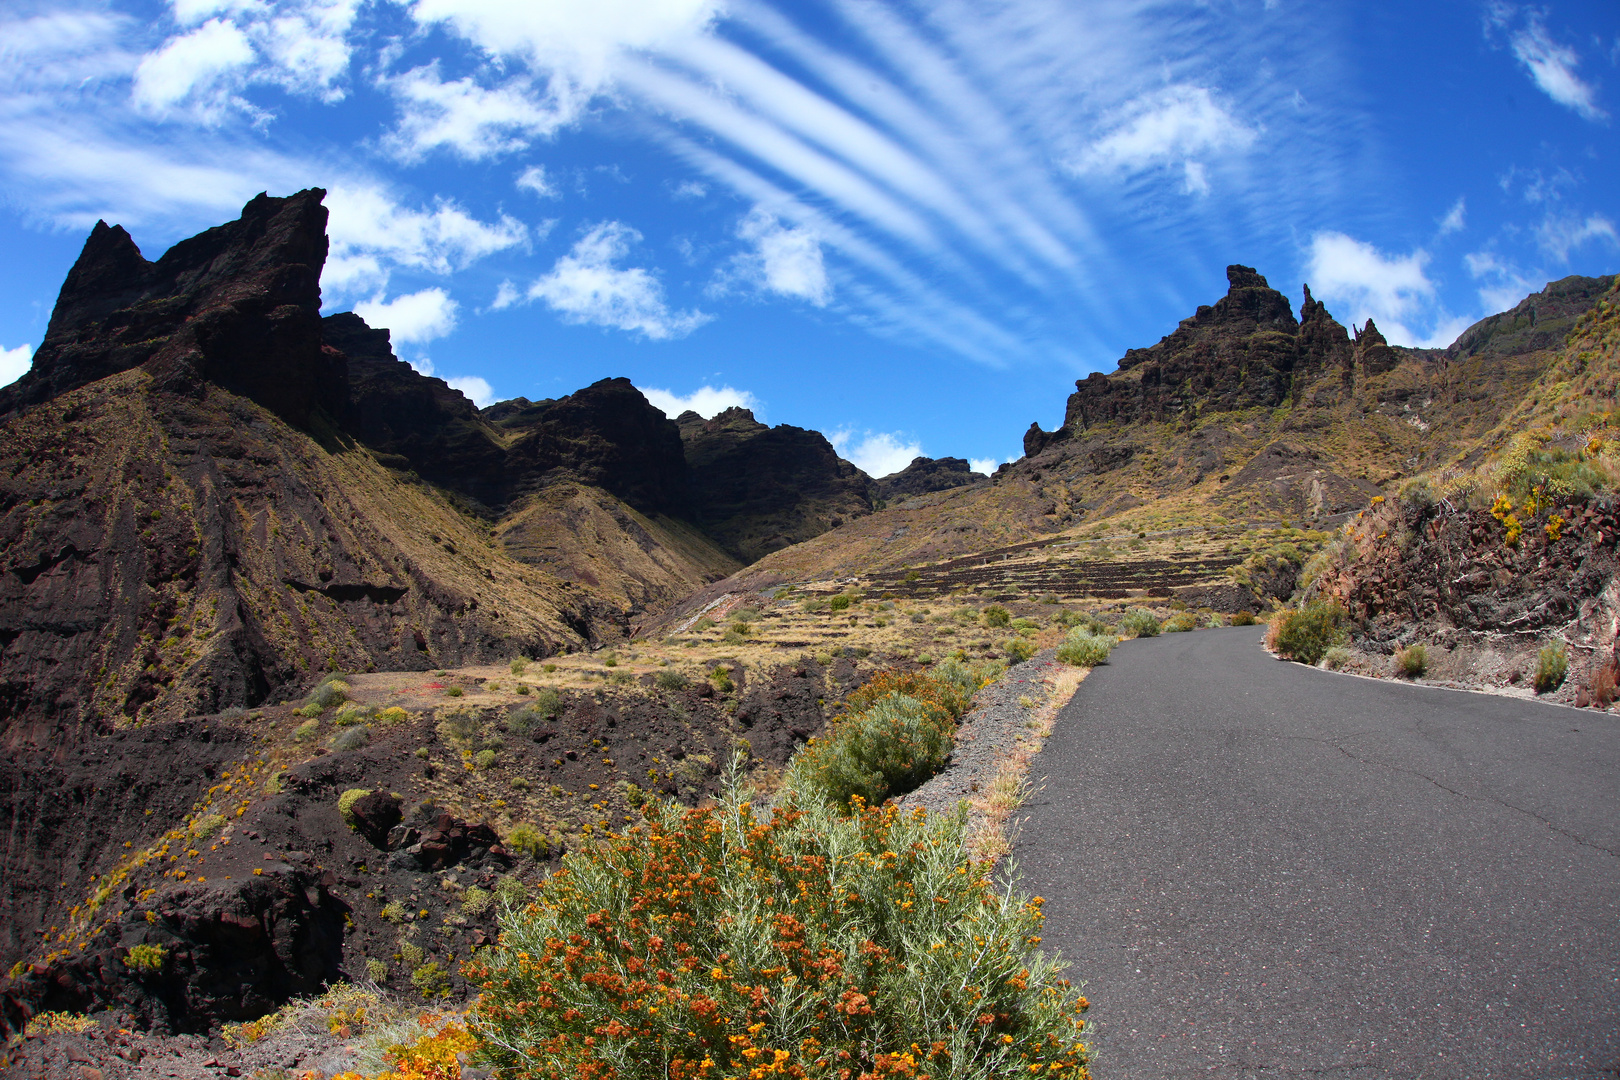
(925, 475)
(1245, 413)
(214, 494)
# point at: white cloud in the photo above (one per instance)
(986, 465)
(478, 390)
(1558, 236)
(1456, 218)
(1388, 288)
(1552, 66)
(578, 43)
(371, 232)
(585, 286)
(414, 318)
(14, 363)
(506, 294)
(194, 67)
(785, 260)
(876, 453)
(464, 117)
(706, 401)
(533, 179)
(689, 189)
(1502, 286)
(1176, 124)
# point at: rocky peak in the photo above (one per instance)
(924, 475)
(237, 306)
(1244, 277)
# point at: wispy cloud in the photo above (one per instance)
(1456, 218)
(1390, 289)
(706, 401)
(1559, 234)
(1175, 126)
(1551, 65)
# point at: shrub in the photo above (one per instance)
(746, 614)
(1241, 618)
(1306, 633)
(453, 691)
(311, 711)
(1336, 657)
(376, 971)
(996, 616)
(610, 660)
(1180, 623)
(346, 801)
(393, 912)
(207, 826)
(431, 980)
(476, 901)
(351, 714)
(840, 602)
(393, 715)
(1411, 662)
(721, 678)
(662, 954)
(146, 959)
(525, 719)
(527, 840)
(733, 637)
(1082, 648)
(329, 693)
(669, 680)
(510, 891)
(52, 1023)
(1604, 682)
(1140, 623)
(519, 665)
(351, 738)
(1552, 664)
(897, 732)
(484, 759)
(306, 731)
(457, 727)
(1018, 649)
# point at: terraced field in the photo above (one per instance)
(1064, 569)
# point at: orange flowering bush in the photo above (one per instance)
(434, 1055)
(896, 732)
(726, 943)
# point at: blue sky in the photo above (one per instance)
(910, 226)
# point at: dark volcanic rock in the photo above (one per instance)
(376, 815)
(237, 306)
(607, 435)
(756, 489)
(927, 474)
(1539, 321)
(402, 414)
(1238, 353)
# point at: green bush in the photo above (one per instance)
(453, 691)
(1305, 634)
(1410, 662)
(1242, 618)
(899, 731)
(669, 680)
(329, 693)
(1082, 648)
(1180, 623)
(1018, 649)
(519, 665)
(1552, 664)
(746, 614)
(146, 959)
(484, 759)
(351, 738)
(840, 602)
(720, 677)
(351, 714)
(430, 980)
(610, 660)
(1336, 657)
(670, 953)
(996, 616)
(1140, 622)
(476, 901)
(346, 801)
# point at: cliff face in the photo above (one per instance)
(925, 475)
(237, 307)
(758, 489)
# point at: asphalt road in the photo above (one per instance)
(1261, 869)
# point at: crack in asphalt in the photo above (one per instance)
(1474, 798)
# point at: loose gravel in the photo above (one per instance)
(997, 726)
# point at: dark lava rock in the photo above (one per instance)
(450, 843)
(924, 475)
(237, 306)
(375, 815)
(756, 489)
(230, 951)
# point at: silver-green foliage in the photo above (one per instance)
(1141, 622)
(1083, 648)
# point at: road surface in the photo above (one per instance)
(1262, 869)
